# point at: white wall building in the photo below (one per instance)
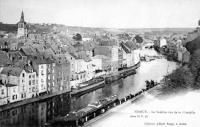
(163, 42)
(3, 94)
(42, 77)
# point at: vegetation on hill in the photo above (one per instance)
(138, 39)
(194, 66)
(178, 79)
(186, 76)
(10, 28)
(193, 45)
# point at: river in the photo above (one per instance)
(36, 114)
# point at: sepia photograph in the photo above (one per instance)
(99, 63)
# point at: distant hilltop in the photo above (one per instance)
(49, 27)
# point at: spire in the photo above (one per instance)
(199, 23)
(22, 17)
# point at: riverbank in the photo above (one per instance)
(148, 108)
(88, 113)
(31, 100)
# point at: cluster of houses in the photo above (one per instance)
(173, 46)
(36, 64)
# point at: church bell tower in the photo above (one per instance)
(22, 27)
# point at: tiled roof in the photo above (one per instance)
(103, 50)
(125, 47)
(4, 60)
(73, 55)
(14, 71)
(60, 59)
(28, 51)
(131, 45)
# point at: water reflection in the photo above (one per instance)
(36, 114)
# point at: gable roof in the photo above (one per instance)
(131, 45)
(14, 71)
(125, 47)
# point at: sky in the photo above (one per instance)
(104, 13)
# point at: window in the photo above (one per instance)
(33, 76)
(13, 90)
(52, 83)
(48, 77)
(33, 89)
(30, 82)
(23, 75)
(42, 72)
(33, 82)
(42, 66)
(2, 91)
(29, 76)
(42, 80)
(23, 87)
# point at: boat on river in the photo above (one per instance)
(85, 113)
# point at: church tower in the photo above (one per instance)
(22, 27)
(198, 27)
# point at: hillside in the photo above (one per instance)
(193, 45)
(8, 27)
(74, 29)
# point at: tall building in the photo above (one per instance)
(22, 27)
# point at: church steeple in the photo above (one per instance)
(22, 26)
(22, 17)
(199, 23)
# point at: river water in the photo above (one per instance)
(36, 114)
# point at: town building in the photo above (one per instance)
(163, 42)
(3, 94)
(112, 53)
(183, 55)
(62, 73)
(11, 77)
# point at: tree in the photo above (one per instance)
(195, 67)
(180, 78)
(77, 37)
(138, 39)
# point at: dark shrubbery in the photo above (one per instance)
(181, 78)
